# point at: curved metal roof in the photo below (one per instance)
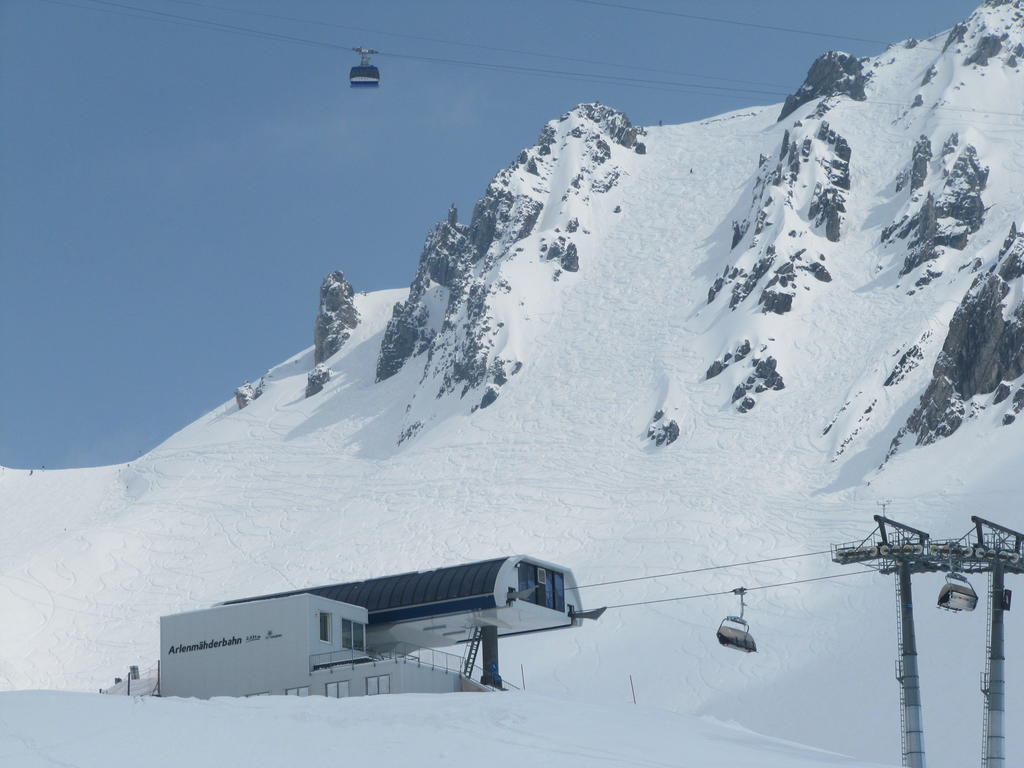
(404, 590)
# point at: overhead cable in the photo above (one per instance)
(733, 22)
(701, 570)
(133, 11)
(748, 589)
(478, 46)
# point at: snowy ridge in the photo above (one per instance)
(564, 460)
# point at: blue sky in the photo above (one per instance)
(171, 195)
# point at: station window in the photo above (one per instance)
(378, 684)
(325, 627)
(548, 586)
(346, 633)
(337, 690)
(353, 635)
(303, 691)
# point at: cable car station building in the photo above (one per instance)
(367, 637)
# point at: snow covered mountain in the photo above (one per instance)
(647, 350)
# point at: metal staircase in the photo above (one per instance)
(472, 649)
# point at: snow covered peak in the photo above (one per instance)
(469, 307)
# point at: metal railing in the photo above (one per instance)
(146, 683)
(426, 657)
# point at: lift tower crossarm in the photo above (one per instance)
(884, 521)
(980, 524)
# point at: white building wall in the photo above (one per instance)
(248, 648)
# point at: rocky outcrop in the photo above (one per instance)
(444, 264)
(764, 377)
(988, 46)
(455, 313)
(337, 316)
(662, 431)
(948, 215)
(917, 173)
(316, 379)
(908, 361)
(983, 350)
(812, 156)
(832, 74)
(740, 353)
(248, 392)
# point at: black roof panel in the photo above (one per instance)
(406, 589)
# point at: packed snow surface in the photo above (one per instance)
(442, 730)
(292, 492)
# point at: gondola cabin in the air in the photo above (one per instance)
(734, 631)
(365, 75)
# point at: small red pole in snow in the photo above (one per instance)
(631, 688)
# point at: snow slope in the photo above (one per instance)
(446, 731)
(373, 477)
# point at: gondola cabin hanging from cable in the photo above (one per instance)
(734, 631)
(957, 594)
(365, 75)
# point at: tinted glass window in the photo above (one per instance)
(346, 633)
(558, 590)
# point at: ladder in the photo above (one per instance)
(472, 649)
(899, 674)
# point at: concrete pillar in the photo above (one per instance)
(489, 647)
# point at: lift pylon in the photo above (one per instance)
(1003, 549)
(988, 548)
(894, 547)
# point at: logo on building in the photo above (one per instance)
(204, 645)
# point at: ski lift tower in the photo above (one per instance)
(897, 548)
(996, 550)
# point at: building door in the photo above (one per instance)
(337, 690)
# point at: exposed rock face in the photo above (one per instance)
(918, 171)
(248, 392)
(741, 351)
(949, 214)
(337, 316)
(662, 431)
(988, 46)
(765, 376)
(832, 74)
(316, 379)
(811, 156)
(444, 264)
(983, 349)
(450, 316)
(908, 361)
